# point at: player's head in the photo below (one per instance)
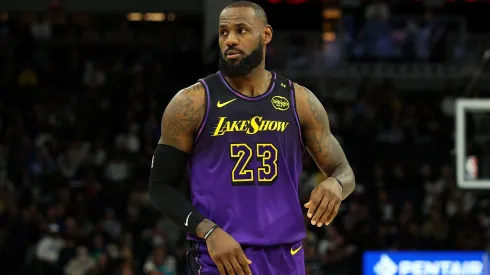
(243, 35)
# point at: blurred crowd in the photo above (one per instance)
(79, 123)
(376, 35)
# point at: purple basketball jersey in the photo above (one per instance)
(246, 163)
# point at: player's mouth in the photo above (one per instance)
(232, 54)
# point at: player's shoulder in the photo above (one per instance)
(193, 95)
(307, 104)
(188, 102)
(302, 94)
(194, 91)
(184, 114)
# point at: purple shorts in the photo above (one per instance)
(287, 259)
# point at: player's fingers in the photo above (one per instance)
(244, 258)
(221, 268)
(322, 207)
(228, 267)
(236, 265)
(333, 214)
(315, 200)
(244, 262)
(326, 214)
(307, 205)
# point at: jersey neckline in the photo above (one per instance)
(242, 96)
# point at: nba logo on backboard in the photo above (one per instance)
(472, 142)
(471, 168)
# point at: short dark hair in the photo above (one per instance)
(259, 11)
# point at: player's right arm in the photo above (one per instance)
(180, 123)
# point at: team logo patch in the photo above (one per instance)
(280, 103)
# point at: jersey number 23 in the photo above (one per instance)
(242, 154)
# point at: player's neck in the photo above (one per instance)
(254, 84)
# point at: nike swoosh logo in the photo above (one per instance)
(293, 252)
(187, 219)
(224, 103)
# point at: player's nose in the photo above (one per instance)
(231, 40)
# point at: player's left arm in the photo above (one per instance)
(329, 156)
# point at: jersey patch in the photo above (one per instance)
(280, 103)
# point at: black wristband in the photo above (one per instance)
(206, 236)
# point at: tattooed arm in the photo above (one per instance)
(320, 142)
(182, 118)
(180, 122)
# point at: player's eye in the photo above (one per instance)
(223, 33)
(242, 30)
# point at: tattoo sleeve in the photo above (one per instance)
(320, 142)
(182, 118)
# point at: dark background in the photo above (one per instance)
(83, 90)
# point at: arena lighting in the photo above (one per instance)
(332, 13)
(135, 16)
(329, 36)
(155, 17)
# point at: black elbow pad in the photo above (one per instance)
(168, 166)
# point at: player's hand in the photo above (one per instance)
(227, 254)
(324, 202)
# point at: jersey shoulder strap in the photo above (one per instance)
(283, 86)
(214, 84)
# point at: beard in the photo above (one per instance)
(244, 66)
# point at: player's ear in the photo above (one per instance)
(267, 34)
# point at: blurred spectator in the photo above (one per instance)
(377, 10)
(110, 225)
(93, 77)
(80, 264)
(41, 29)
(48, 250)
(160, 264)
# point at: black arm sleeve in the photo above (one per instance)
(167, 169)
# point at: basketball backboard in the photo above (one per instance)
(472, 143)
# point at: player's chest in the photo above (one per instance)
(228, 114)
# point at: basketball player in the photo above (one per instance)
(241, 134)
